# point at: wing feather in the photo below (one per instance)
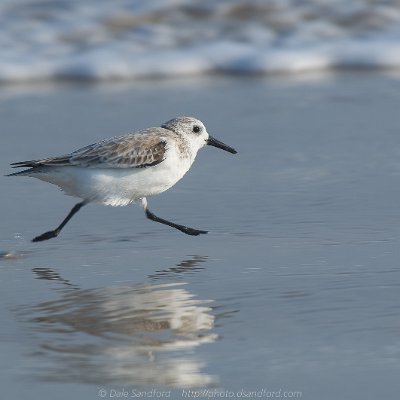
(136, 150)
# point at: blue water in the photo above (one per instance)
(295, 288)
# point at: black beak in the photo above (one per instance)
(216, 143)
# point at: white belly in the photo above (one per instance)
(115, 186)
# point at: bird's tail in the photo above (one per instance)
(30, 165)
(25, 172)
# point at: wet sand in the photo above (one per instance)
(295, 288)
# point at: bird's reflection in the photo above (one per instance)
(190, 265)
(133, 334)
(49, 275)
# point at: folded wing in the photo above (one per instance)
(140, 150)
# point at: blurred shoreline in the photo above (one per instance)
(126, 40)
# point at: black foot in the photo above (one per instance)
(46, 236)
(192, 231)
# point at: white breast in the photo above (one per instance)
(118, 186)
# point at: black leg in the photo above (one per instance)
(182, 228)
(52, 234)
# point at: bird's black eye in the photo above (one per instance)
(196, 129)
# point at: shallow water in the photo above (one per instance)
(295, 288)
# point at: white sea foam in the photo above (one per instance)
(102, 39)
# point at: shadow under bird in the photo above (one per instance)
(125, 169)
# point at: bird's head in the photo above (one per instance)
(195, 133)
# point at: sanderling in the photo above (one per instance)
(125, 169)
